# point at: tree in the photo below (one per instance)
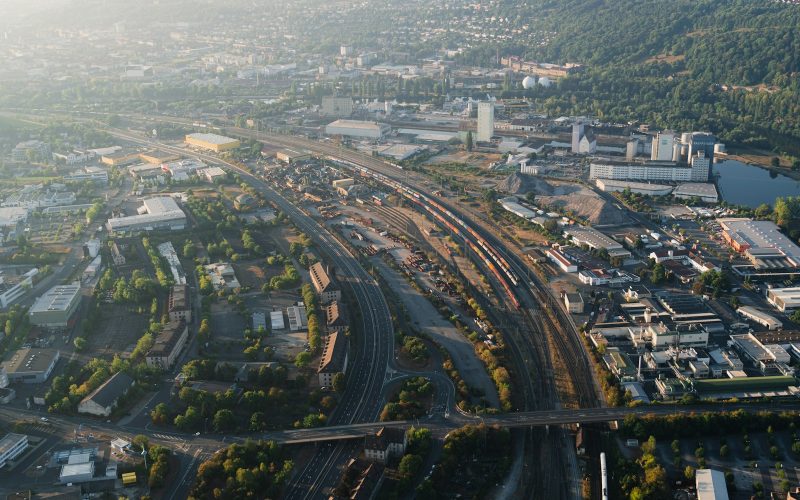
(258, 421)
(224, 420)
(659, 274)
(79, 343)
(530, 197)
(688, 472)
(302, 359)
(339, 383)
(796, 164)
(409, 465)
(775, 162)
(160, 414)
(469, 141)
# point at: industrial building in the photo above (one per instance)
(574, 303)
(31, 365)
(596, 240)
(290, 156)
(784, 299)
(11, 446)
(298, 318)
(212, 142)
(760, 317)
(223, 276)
(485, 122)
(160, 212)
(358, 129)
(167, 346)
(324, 283)
(705, 191)
(762, 242)
(663, 148)
(645, 188)
(643, 171)
(334, 358)
(12, 288)
(276, 321)
(768, 358)
(710, 484)
(102, 401)
(55, 308)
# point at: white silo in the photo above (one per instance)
(529, 82)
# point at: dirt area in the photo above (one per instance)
(565, 197)
(666, 58)
(119, 328)
(226, 323)
(250, 274)
(471, 159)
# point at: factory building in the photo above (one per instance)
(55, 308)
(762, 242)
(161, 212)
(212, 142)
(485, 121)
(784, 299)
(31, 366)
(358, 129)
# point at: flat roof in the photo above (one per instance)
(710, 485)
(9, 441)
(166, 340)
(358, 124)
(30, 359)
(82, 469)
(752, 346)
(211, 138)
(57, 298)
(696, 189)
(592, 237)
(760, 234)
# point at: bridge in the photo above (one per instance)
(442, 425)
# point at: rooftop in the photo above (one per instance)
(30, 359)
(211, 138)
(9, 441)
(110, 390)
(334, 354)
(57, 298)
(357, 124)
(167, 339)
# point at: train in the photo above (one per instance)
(490, 257)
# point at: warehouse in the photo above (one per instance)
(711, 485)
(645, 188)
(784, 299)
(55, 308)
(161, 212)
(596, 240)
(212, 142)
(356, 128)
(760, 317)
(290, 156)
(762, 242)
(31, 366)
(704, 191)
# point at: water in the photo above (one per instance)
(743, 184)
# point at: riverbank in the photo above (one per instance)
(761, 159)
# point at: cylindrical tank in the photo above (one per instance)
(529, 82)
(603, 476)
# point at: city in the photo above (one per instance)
(387, 249)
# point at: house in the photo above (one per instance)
(324, 281)
(102, 401)
(336, 317)
(574, 303)
(386, 443)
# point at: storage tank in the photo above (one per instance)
(529, 82)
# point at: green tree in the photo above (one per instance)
(224, 420)
(469, 141)
(79, 343)
(339, 383)
(659, 274)
(302, 359)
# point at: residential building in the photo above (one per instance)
(31, 365)
(160, 212)
(784, 299)
(55, 308)
(102, 401)
(340, 107)
(212, 142)
(37, 149)
(388, 442)
(11, 446)
(358, 129)
(324, 283)
(178, 306)
(485, 122)
(334, 358)
(574, 303)
(168, 344)
(762, 242)
(336, 317)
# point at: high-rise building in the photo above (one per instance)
(663, 146)
(701, 141)
(577, 134)
(701, 166)
(485, 121)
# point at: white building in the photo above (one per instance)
(710, 485)
(784, 299)
(701, 166)
(358, 129)
(760, 317)
(644, 171)
(663, 147)
(102, 401)
(705, 191)
(11, 446)
(485, 122)
(560, 260)
(662, 337)
(11, 291)
(596, 240)
(160, 212)
(645, 188)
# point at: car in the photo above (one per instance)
(197, 433)
(44, 419)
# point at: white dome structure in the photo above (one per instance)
(545, 82)
(529, 82)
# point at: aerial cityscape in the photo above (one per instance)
(395, 249)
